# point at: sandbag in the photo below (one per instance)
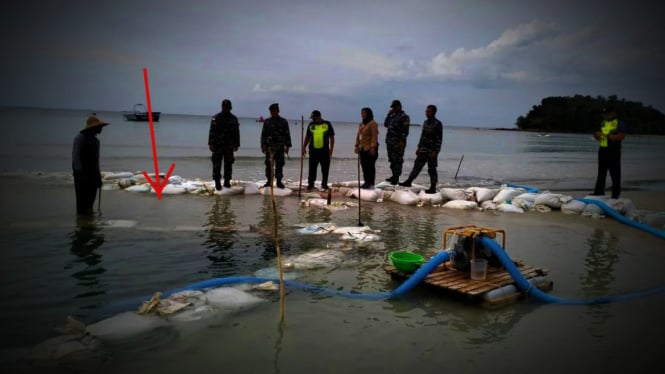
(231, 299)
(277, 191)
(233, 190)
(523, 204)
(404, 197)
(509, 208)
(251, 188)
(455, 194)
(172, 189)
(552, 200)
(573, 207)
(507, 194)
(375, 195)
(488, 205)
(482, 193)
(430, 198)
(461, 204)
(125, 325)
(138, 188)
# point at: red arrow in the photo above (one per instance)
(157, 185)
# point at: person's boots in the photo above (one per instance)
(227, 183)
(406, 183)
(432, 188)
(279, 184)
(218, 186)
(392, 180)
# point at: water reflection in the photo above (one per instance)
(266, 225)
(599, 263)
(222, 233)
(425, 234)
(86, 239)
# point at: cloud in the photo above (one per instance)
(280, 88)
(492, 60)
(367, 62)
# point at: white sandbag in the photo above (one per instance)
(374, 195)
(231, 299)
(277, 191)
(273, 273)
(176, 179)
(172, 189)
(348, 184)
(196, 187)
(316, 229)
(251, 188)
(523, 204)
(461, 204)
(482, 193)
(527, 196)
(573, 207)
(193, 313)
(509, 208)
(361, 237)
(404, 197)
(488, 205)
(324, 258)
(125, 325)
(552, 200)
(118, 175)
(138, 188)
(415, 188)
(507, 194)
(593, 210)
(622, 205)
(126, 182)
(233, 190)
(455, 194)
(316, 202)
(351, 229)
(430, 198)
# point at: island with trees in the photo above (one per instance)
(583, 114)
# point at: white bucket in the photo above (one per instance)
(478, 269)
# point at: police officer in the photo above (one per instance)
(428, 150)
(397, 125)
(223, 141)
(611, 134)
(85, 165)
(321, 139)
(275, 140)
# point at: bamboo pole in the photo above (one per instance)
(275, 238)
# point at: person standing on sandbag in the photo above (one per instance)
(397, 123)
(428, 150)
(85, 165)
(223, 141)
(275, 140)
(611, 134)
(321, 140)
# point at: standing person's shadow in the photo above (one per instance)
(86, 239)
(222, 232)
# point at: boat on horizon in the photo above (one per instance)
(260, 119)
(140, 114)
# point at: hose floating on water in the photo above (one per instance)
(623, 219)
(524, 285)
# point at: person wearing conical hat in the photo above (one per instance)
(85, 165)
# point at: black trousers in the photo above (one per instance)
(423, 158)
(86, 187)
(316, 157)
(278, 154)
(608, 160)
(396, 158)
(225, 155)
(368, 165)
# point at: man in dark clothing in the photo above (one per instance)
(321, 139)
(85, 165)
(397, 123)
(428, 150)
(223, 141)
(612, 132)
(275, 141)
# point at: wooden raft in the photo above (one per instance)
(446, 277)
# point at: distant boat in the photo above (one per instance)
(140, 114)
(260, 119)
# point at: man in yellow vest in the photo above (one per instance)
(321, 140)
(612, 132)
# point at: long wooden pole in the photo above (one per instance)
(275, 239)
(359, 189)
(302, 145)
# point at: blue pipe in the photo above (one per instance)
(524, 285)
(528, 189)
(623, 219)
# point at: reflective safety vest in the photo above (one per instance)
(318, 132)
(608, 127)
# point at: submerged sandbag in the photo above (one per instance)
(509, 208)
(138, 188)
(125, 325)
(277, 191)
(573, 207)
(430, 198)
(231, 299)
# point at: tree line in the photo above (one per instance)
(583, 114)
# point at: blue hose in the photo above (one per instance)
(525, 285)
(623, 219)
(527, 188)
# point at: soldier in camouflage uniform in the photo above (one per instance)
(397, 123)
(428, 149)
(223, 140)
(275, 139)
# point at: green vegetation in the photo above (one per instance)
(583, 114)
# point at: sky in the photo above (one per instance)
(482, 63)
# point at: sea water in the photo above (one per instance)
(55, 265)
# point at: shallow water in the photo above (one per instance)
(54, 265)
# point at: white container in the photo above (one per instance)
(478, 269)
